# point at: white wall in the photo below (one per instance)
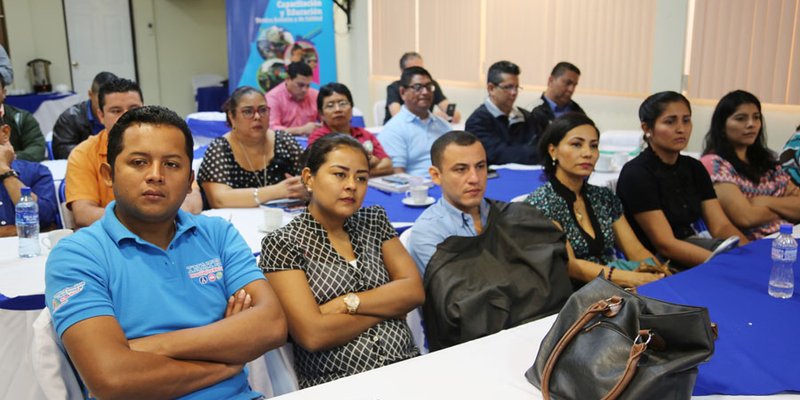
(36, 30)
(609, 112)
(176, 39)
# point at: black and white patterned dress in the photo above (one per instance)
(303, 244)
(219, 165)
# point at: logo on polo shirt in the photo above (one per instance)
(206, 272)
(62, 296)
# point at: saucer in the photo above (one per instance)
(262, 228)
(428, 201)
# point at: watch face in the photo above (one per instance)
(351, 301)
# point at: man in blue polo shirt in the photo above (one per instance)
(460, 168)
(408, 136)
(151, 301)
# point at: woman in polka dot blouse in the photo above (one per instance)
(251, 164)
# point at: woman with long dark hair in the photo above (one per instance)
(665, 194)
(590, 215)
(755, 192)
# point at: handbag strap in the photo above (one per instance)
(609, 308)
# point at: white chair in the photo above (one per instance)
(614, 141)
(51, 366)
(406, 236)
(67, 220)
(519, 198)
(414, 318)
(273, 373)
(379, 112)
(417, 325)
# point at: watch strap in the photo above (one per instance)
(8, 174)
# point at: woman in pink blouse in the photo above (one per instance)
(756, 194)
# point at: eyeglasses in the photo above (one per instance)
(250, 113)
(510, 88)
(418, 87)
(343, 104)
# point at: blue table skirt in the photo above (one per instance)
(757, 352)
(31, 102)
(508, 184)
(22, 303)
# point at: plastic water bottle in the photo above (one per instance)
(784, 253)
(27, 220)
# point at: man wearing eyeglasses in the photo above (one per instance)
(394, 101)
(408, 136)
(87, 193)
(557, 99)
(293, 104)
(508, 133)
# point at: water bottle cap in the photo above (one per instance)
(786, 228)
(25, 191)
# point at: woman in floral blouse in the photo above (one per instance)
(754, 191)
(591, 216)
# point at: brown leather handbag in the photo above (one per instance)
(609, 343)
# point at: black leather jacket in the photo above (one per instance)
(73, 127)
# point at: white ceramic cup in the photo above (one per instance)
(418, 194)
(603, 163)
(273, 218)
(51, 239)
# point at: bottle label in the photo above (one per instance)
(784, 254)
(27, 218)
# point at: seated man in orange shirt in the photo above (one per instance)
(86, 191)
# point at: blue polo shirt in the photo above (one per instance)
(437, 223)
(106, 270)
(558, 111)
(407, 139)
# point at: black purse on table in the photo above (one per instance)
(609, 343)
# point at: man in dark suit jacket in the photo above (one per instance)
(557, 99)
(506, 132)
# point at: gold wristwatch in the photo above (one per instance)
(351, 301)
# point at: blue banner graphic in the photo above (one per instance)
(265, 36)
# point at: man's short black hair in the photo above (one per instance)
(117, 85)
(408, 56)
(299, 68)
(409, 74)
(147, 115)
(460, 138)
(100, 80)
(501, 67)
(562, 67)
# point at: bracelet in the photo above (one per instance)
(611, 272)
(255, 197)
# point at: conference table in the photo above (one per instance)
(757, 353)
(22, 285)
(32, 101)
